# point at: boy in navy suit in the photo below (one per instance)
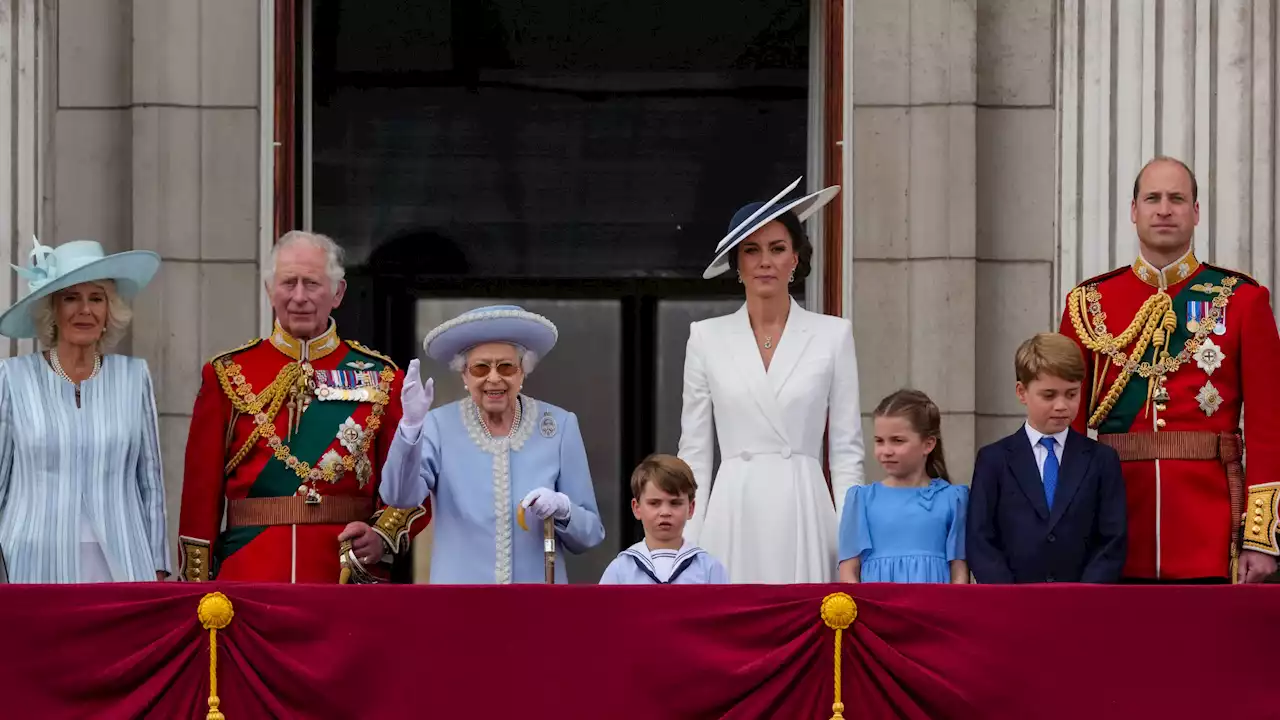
(1047, 504)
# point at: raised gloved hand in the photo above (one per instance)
(545, 503)
(415, 398)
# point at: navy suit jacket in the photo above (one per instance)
(1013, 536)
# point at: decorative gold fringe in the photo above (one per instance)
(215, 613)
(839, 611)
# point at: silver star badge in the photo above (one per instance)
(1209, 399)
(1209, 357)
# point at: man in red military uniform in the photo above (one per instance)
(1174, 348)
(288, 437)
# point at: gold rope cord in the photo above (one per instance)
(838, 612)
(1155, 314)
(246, 402)
(215, 613)
(1157, 321)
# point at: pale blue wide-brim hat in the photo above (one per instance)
(57, 268)
(756, 215)
(494, 323)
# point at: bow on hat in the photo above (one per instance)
(43, 269)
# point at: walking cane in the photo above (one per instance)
(548, 545)
(549, 549)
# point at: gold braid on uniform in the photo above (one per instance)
(1152, 325)
(1262, 519)
(249, 403)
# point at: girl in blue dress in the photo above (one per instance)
(909, 527)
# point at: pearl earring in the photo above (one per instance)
(793, 275)
(739, 278)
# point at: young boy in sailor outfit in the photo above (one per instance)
(662, 490)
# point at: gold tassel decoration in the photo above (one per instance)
(839, 611)
(215, 613)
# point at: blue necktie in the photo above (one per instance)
(1050, 469)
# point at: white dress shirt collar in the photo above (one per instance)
(1035, 435)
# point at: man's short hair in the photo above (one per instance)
(335, 256)
(1049, 354)
(1195, 186)
(668, 473)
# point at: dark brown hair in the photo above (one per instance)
(1048, 353)
(669, 473)
(917, 409)
(799, 244)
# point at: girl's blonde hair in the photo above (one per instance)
(924, 417)
(119, 315)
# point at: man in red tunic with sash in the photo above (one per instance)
(1175, 350)
(288, 437)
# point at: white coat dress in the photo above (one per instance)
(768, 515)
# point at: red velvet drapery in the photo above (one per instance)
(1045, 652)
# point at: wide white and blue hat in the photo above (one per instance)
(756, 215)
(57, 268)
(494, 323)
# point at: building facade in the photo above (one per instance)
(986, 150)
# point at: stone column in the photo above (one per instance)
(914, 249)
(1195, 79)
(24, 83)
(1016, 139)
(156, 146)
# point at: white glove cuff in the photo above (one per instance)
(411, 432)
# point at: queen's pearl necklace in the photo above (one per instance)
(515, 422)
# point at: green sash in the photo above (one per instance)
(316, 432)
(1134, 397)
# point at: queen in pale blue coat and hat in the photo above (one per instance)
(491, 456)
(81, 491)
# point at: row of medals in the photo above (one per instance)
(1161, 394)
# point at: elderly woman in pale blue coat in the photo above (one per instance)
(485, 459)
(81, 492)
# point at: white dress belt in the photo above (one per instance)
(746, 455)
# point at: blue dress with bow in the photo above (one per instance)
(904, 535)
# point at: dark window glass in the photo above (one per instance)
(565, 139)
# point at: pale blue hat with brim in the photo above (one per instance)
(492, 324)
(57, 268)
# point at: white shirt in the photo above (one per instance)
(1041, 452)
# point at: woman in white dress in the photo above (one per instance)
(768, 381)
(81, 491)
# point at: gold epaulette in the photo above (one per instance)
(1228, 271)
(252, 343)
(368, 351)
(1104, 276)
(1261, 516)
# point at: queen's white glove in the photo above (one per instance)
(415, 399)
(545, 503)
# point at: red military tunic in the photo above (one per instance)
(1221, 342)
(288, 480)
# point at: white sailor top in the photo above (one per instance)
(690, 565)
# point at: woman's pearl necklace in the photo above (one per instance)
(515, 422)
(57, 366)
